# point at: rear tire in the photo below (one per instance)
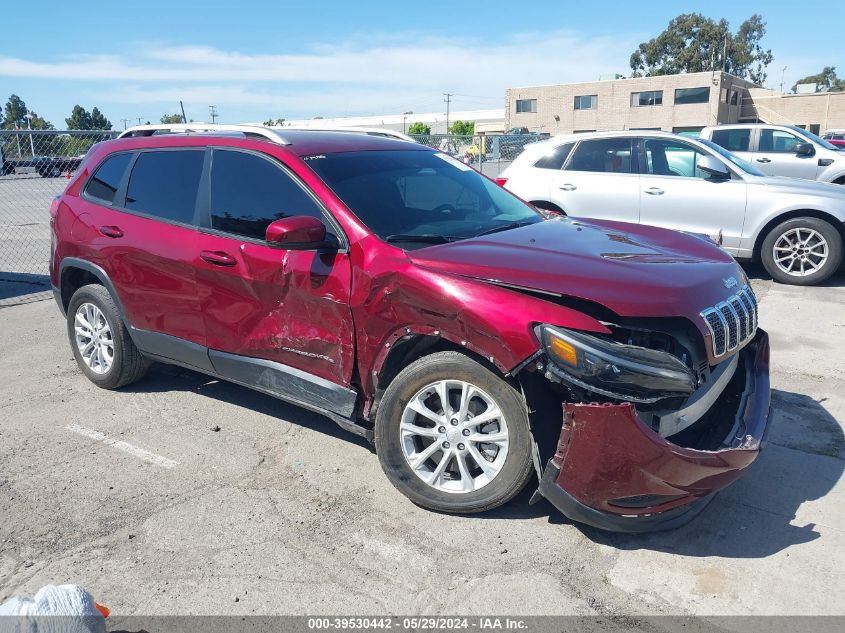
(100, 341)
(460, 472)
(802, 251)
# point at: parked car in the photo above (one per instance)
(781, 150)
(837, 139)
(510, 144)
(8, 166)
(794, 226)
(55, 166)
(411, 300)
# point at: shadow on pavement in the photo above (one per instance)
(165, 378)
(18, 288)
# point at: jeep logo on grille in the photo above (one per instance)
(729, 282)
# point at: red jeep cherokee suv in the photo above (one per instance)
(416, 303)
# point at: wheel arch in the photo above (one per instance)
(75, 273)
(791, 215)
(548, 206)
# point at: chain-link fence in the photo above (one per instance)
(488, 153)
(34, 167)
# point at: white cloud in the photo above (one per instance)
(371, 73)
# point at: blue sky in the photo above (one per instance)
(261, 59)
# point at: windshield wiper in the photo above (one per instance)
(505, 227)
(424, 238)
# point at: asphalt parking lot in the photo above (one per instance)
(134, 495)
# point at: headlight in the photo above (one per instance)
(613, 369)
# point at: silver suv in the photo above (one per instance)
(782, 150)
(796, 227)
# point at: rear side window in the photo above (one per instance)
(734, 139)
(106, 180)
(778, 141)
(610, 155)
(556, 158)
(249, 192)
(164, 184)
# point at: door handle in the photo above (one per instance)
(764, 160)
(218, 258)
(111, 231)
(568, 187)
(654, 191)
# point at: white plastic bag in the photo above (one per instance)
(62, 609)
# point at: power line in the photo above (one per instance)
(125, 121)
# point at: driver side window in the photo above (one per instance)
(672, 158)
(249, 192)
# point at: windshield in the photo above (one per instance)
(734, 160)
(413, 198)
(816, 139)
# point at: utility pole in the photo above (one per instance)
(125, 121)
(448, 101)
(140, 118)
(404, 119)
(725, 52)
(213, 110)
(782, 73)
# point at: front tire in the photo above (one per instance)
(802, 251)
(453, 436)
(100, 341)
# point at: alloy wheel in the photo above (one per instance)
(454, 436)
(800, 252)
(93, 338)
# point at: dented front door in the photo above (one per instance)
(290, 307)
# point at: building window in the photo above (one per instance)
(586, 102)
(692, 95)
(582, 131)
(526, 105)
(650, 98)
(725, 95)
(734, 97)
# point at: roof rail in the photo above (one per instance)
(274, 136)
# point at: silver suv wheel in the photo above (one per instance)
(94, 338)
(800, 252)
(454, 436)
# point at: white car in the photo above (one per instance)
(781, 150)
(796, 227)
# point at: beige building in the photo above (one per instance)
(672, 103)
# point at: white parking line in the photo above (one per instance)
(120, 445)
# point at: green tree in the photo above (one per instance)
(14, 112)
(419, 128)
(462, 128)
(98, 121)
(826, 79)
(694, 43)
(79, 119)
(270, 122)
(171, 118)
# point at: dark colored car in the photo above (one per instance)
(416, 303)
(55, 166)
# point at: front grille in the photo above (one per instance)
(733, 322)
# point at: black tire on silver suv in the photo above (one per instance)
(453, 436)
(100, 342)
(802, 251)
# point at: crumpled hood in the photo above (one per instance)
(633, 270)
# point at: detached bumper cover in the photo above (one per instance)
(612, 471)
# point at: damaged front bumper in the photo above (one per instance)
(612, 471)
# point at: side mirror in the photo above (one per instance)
(716, 168)
(298, 232)
(804, 149)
